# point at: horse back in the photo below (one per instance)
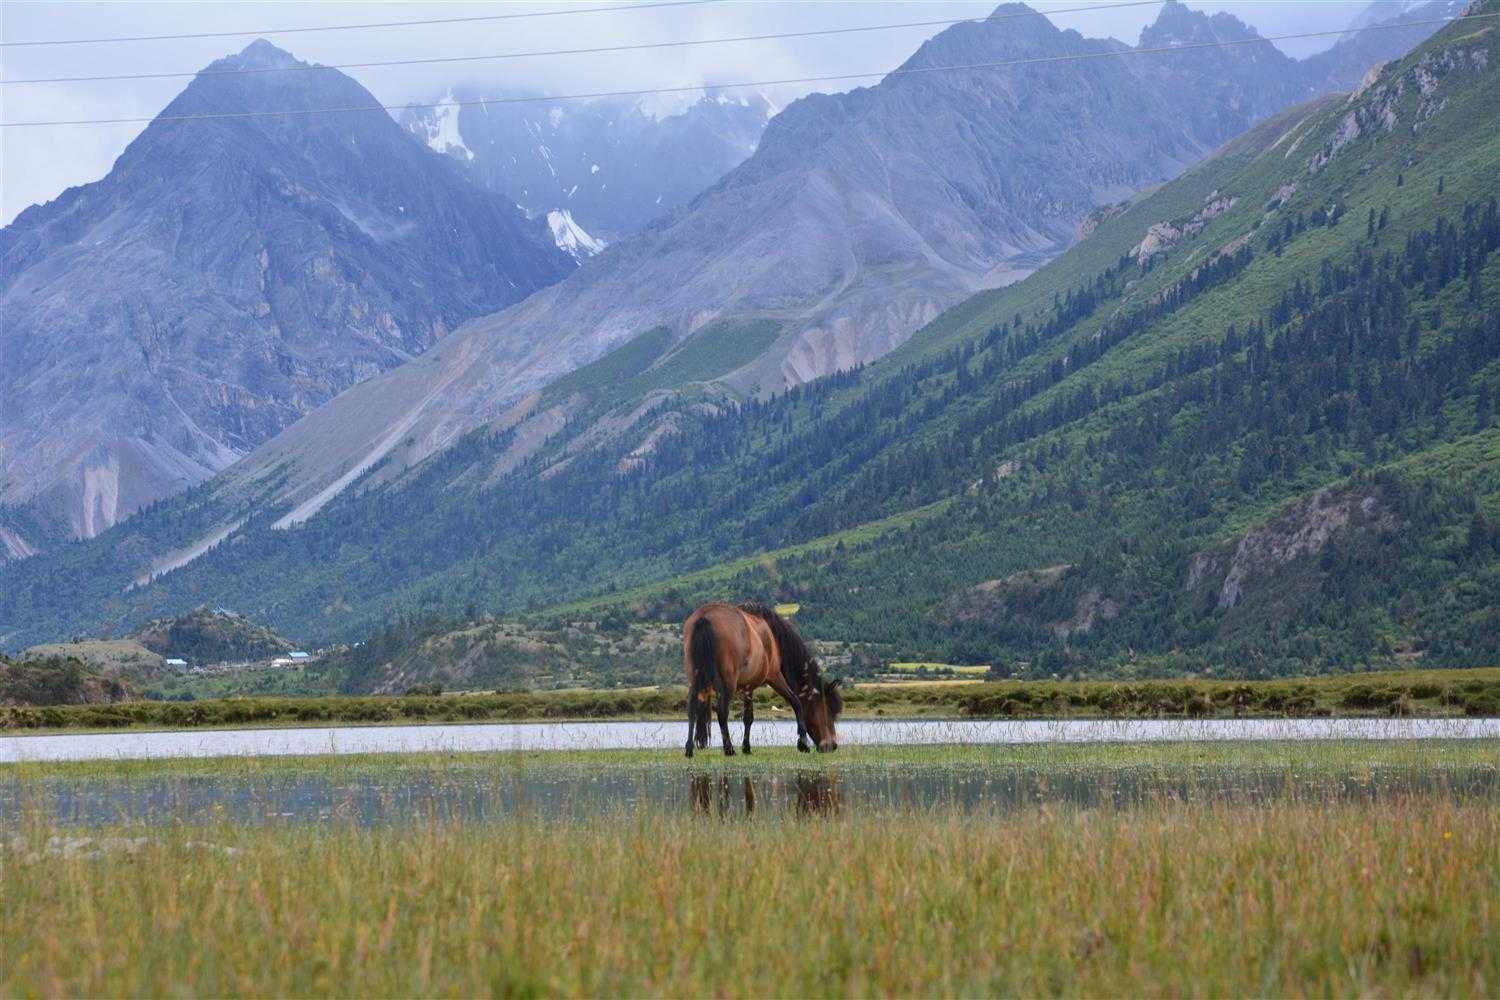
(745, 647)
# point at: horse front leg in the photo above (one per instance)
(779, 685)
(749, 718)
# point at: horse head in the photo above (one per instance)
(821, 704)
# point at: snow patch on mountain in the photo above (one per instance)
(442, 132)
(571, 237)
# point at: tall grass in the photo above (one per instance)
(1292, 897)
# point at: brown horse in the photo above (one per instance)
(728, 650)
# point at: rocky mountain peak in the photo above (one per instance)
(1011, 31)
(1179, 24)
(226, 277)
(260, 54)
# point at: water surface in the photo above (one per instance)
(669, 736)
(480, 793)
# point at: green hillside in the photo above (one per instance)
(1247, 426)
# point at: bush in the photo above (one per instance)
(1367, 696)
(1482, 705)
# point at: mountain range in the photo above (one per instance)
(228, 276)
(1003, 458)
(860, 217)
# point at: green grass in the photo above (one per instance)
(1402, 693)
(651, 361)
(620, 365)
(716, 350)
(1292, 897)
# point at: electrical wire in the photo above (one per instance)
(831, 78)
(359, 27)
(598, 50)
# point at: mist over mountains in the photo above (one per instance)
(607, 164)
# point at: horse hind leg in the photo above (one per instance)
(700, 717)
(692, 709)
(749, 719)
(721, 704)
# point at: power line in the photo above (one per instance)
(840, 77)
(634, 47)
(359, 27)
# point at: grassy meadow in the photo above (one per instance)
(1304, 894)
(1283, 888)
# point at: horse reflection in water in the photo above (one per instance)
(812, 794)
(818, 794)
(710, 794)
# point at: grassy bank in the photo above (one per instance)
(1173, 898)
(1413, 693)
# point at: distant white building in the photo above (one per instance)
(297, 654)
(175, 663)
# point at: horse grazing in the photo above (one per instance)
(728, 650)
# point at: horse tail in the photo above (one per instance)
(704, 655)
(700, 724)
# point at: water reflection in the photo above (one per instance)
(804, 793)
(478, 794)
(710, 794)
(818, 794)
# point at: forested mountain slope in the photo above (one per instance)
(1245, 424)
(859, 218)
(228, 276)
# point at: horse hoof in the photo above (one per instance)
(804, 748)
(689, 753)
(729, 751)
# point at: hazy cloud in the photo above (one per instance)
(36, 164)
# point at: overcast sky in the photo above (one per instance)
(36, 164)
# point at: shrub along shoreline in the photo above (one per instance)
(1425, 693)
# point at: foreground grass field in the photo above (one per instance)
(1291, 898)
(1474, 692)
(1305, 888)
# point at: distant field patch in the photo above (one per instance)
(974, 670)
(787, 610)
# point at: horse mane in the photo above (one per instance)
(797, 663)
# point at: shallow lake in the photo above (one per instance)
(670, 735)
(481, 793)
